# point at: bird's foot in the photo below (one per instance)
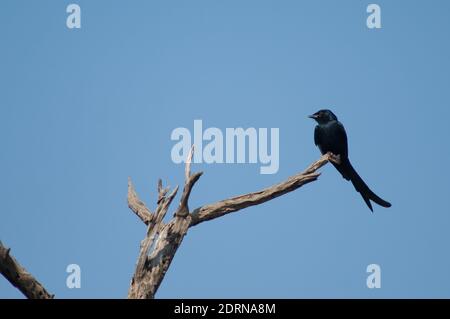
(336, 159)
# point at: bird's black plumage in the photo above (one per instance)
(330, 136)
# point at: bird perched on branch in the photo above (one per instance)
(330, 136)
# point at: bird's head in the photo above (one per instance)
(323, 116)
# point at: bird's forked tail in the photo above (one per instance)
(349, 173)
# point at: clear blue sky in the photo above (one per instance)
(81, 110)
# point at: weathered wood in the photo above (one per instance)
(137, 206)
(163, 240)
(234, 204)
(19, 277)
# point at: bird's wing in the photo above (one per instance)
(318, 138)
(317, 135)
(341, 138)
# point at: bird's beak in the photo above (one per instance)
(313, 116)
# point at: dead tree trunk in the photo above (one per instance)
(162, 240)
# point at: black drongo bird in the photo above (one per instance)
(330, 136)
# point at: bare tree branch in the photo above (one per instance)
(187, 169)
(19, 277)
(190, 180)
(162, 240)
(234, 204)
(164, 204)
(137, 206)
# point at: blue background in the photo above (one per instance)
(81, 110)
